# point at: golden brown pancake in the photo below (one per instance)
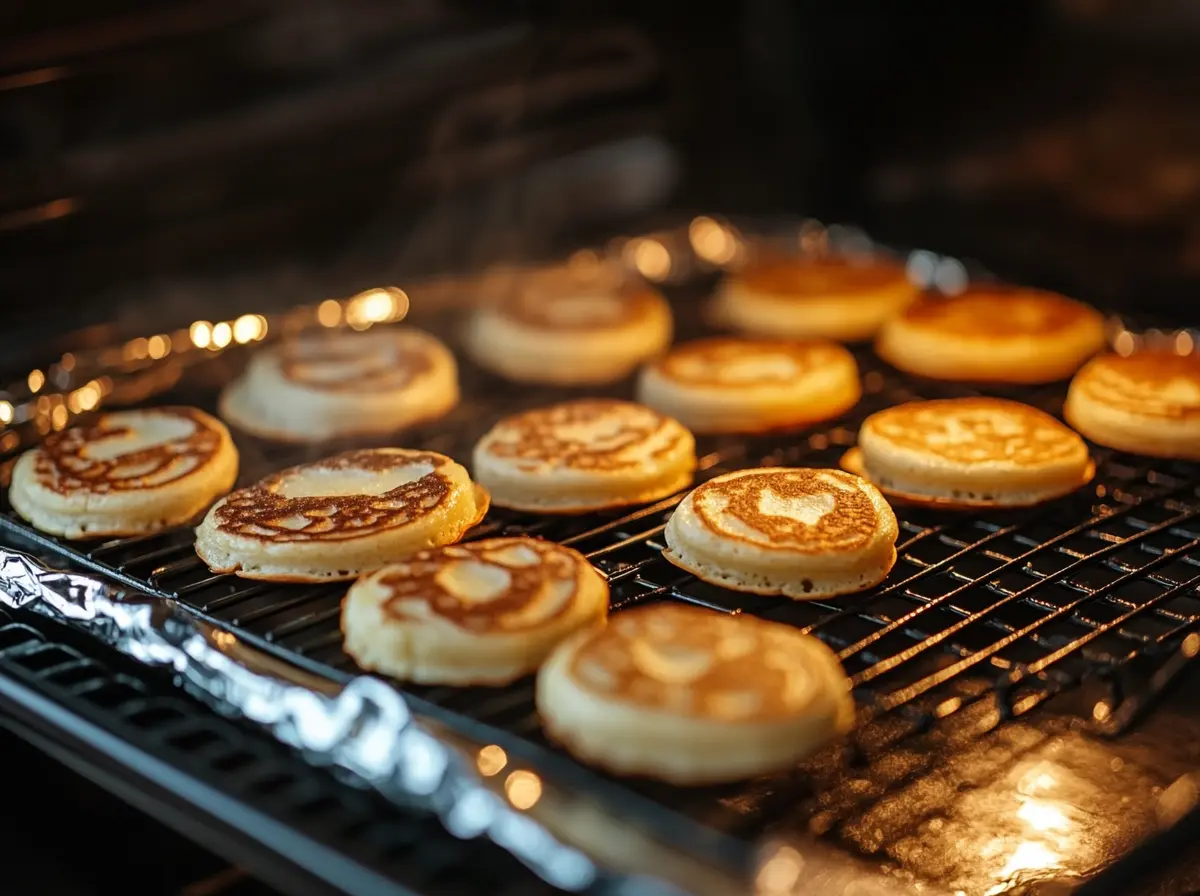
(480, 613)
(993, 333)
(800, 532)
(693, 696)
(584, 455)
(843, 298)
(127, 473)
(342, 516)
(740, 385)
(1145, 403)
(970, 452)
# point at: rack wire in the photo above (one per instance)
(985, 616)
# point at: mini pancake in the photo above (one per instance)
(486, 612)
(1146, 403)
(340, 517)
(692, 696)
(843, 298)
(331, 385)
(801, 533)
(993, 333)
(970, 452)
(584, 455)
(751, 386)
(569, 332)
(128, 473)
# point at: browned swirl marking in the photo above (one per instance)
(820, 276)
(975, 430)
(604, 430)
(689, 661)
(998, 311)
(743, 363)
(62, 462)
(527, 599)
(1146, 383)
(364, 362)
(807, 510)
(580, 307)
(261, 511)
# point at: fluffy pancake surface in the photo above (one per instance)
(970, 452)
(486, 612)
(342, 516)
(328, 385)
(803, 533)
(1145, 403)
(128, 473)
(993, 333)
(739, 385)
(569, 331)
(844, 298)
(584, 455)
(692, 696)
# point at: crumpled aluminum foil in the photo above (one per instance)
(363, 727)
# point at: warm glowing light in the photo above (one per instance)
(158, 346)
(712, 242)
(1125, 343)
(1028, 856)
(329, 313)
(948, 706)
(222, 335)
(36, 380)
(650, 257)
(1190, 646)
(89, 395)
(1043, 816)
(9, 441)
(1185, 343)
(376, 306)
(201, 333)
(1039, 779)
(67, 362)
(780, 873)
(1101, 711)
(6, 412)
(136, 349)
(524, 789)
(491, 760)
(58, 417)
(73, 403)
(248, 328)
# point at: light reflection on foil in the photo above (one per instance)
(363, 727)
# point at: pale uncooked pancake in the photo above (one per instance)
(340, 517)
(970, 452)
(993, 333)
(843, 298)
(1146, 403)
(799, 532)
(486, 612)
(584, 455)
(751, 386)
(330, 385)
(128, 473)
(693, 696)
(568, 331)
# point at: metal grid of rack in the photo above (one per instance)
(984, 617)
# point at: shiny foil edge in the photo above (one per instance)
(363, 727)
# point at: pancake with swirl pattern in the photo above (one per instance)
(993, 333)
(840, 297)
(797, 532)
(751, 386)
(127, 473)
(332, 385)
(1146, 403)
(584, 455)
(486, 612)
(970, 452)
(340, 517)
(565, 329)
(692, 696)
